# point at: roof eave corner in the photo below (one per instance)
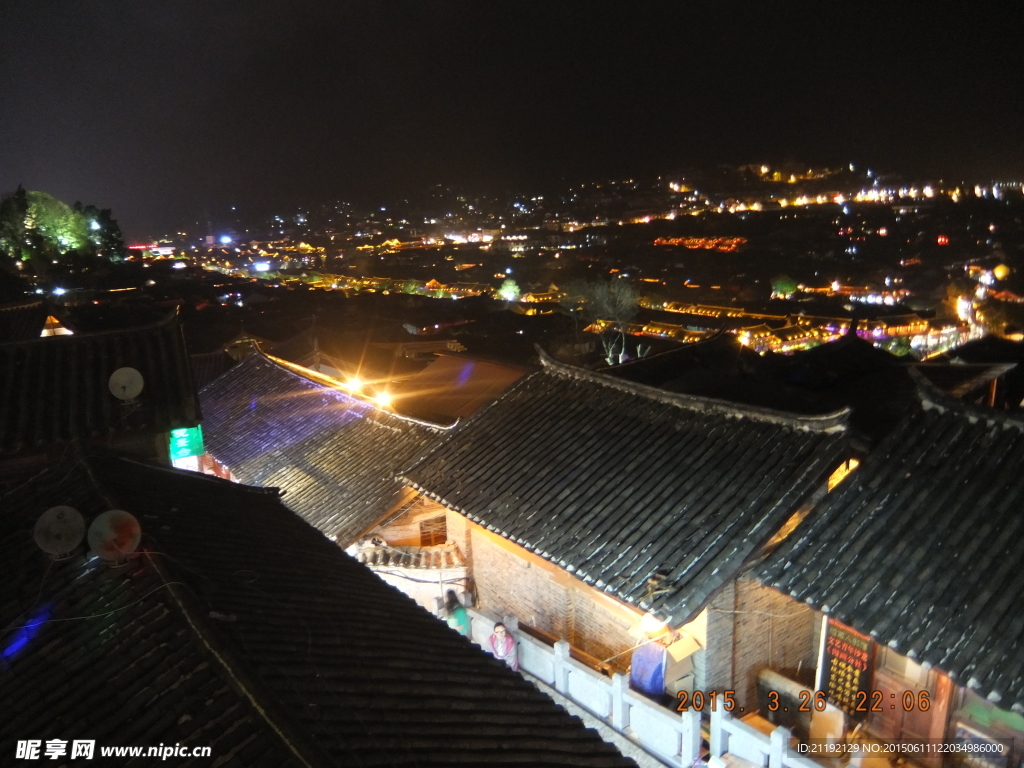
(828, 423)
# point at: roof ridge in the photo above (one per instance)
(933, 397)
(268, 490)
(315, 377)
(15, 306)
(171, 319)
(187, 603)
(826, 422)
(249, 683)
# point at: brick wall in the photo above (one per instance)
(749, 627)
(511, 585)
(771, 630)
(510, 582)
(600, 632)
(717, 661)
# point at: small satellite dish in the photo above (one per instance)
(59, 530)
(114, 534)
(125, 383)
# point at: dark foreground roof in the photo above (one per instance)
(921, 548)
(334, 455)
(242, 628)
(621, 483)
(22, 320)
(55, 389)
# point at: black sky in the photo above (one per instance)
(162, 110)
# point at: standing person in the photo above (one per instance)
(455, 613)
(503, 646)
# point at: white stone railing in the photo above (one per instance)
(672, 738)
(736, 738)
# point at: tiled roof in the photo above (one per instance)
(877, 386)
(209, 365)
(55, 389)
(242, 628)
(921, 548)
(23, 320)
(334, 455)
(622, 483)
(963, 379)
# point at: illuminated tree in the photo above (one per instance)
(783, 286)
(64, 228)
(509, 290)
(38, 231)
(15, 242)
(104, 231)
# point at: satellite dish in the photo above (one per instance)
(59, 530)
(125, 383)
(114, 534)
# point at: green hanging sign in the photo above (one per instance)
(186, 442)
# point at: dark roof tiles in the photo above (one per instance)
(921, 547)
(238, 604)
(621, 483)
(334, 455)
(55, 389)
(22, 320)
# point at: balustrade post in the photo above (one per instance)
(561, 667)
(719, 732)
(620, 709)
(776, 750)
(690, 748)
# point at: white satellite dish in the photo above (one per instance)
(59, 530)
(114, 534)
(125, 383)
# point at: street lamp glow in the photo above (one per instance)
(383, 399)
(354, 384)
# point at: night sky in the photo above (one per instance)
(164, 110)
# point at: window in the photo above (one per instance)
(433, 531)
